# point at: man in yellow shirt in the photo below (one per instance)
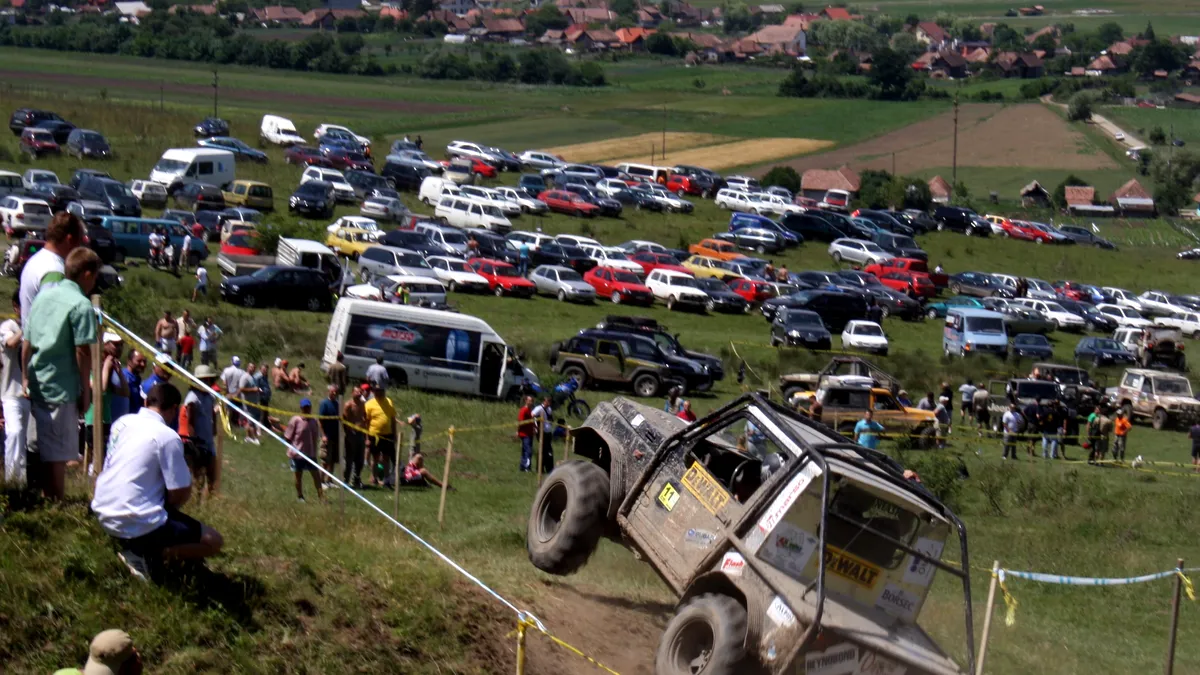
(381, 434)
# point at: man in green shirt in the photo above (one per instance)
(58, 365)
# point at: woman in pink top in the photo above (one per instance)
(303, 433)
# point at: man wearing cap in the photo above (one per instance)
(248, 392)
(57, 363)
(111, 653)
(302, 433)
(381, 433)
(331, 427)
(201, 427)
(13, 403)
(144, 483)
(231, 378)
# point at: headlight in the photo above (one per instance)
(794, 333)
(233, 288)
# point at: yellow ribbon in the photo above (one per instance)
(524, 623)
(1187, 585)
(1010, 603)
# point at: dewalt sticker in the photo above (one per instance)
(705, 488)
(844, 565)
(669, 497)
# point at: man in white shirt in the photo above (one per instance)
(156, 245)
(45, 268)
(967, 392)
(544, 414)
(1012, 422)
(184, 252)
(209, 334)
(231, 378)
(144, 483)
(201, 283)
(13, 401)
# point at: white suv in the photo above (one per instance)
(772, 205)
(861, 252)
(1056, 313)
(492, 198)
(465, 213)
(524, 202)
(22, 215)
(1124, 316)
(535, 159)
(734, 200)
(326, 128)
(676, 289)
(610, 256)
(467, 149)
(341, 189)
(865, 335)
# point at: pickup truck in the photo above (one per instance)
(241, 261)
(939, 279)
(843, 405)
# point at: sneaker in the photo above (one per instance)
(137, 564)
(300, 500)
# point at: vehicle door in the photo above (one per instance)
(610, 360)
(887, 411)
(603, 282)
(1146, 400)
(283, 290)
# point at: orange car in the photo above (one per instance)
(715, 248)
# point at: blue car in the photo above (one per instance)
(1103, 351)
(132, 236)
(1031, 346)
(239, 149)
(211, 126)
(740, 220)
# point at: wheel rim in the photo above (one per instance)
(931, 314)
(499, 291)
(692, 647)
(314, 304)
(710, 305)
(562, 296)
(249, 301)
(645, 387)
(616, 298)
(550, 514)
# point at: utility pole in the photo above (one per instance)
(954, 166)
(893, 164)
(664, 135)
(216, 89)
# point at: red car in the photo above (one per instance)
(915, 284)
(681, 185)
(1072, 291)
(242, 241)
(651, 261)
(502, 278)
(939, 279)
(306, 155)
(620, 286)
(755, 292)
(478, 166)
(346, 160)
(1019, 229)
(38, 142)
(568, 203)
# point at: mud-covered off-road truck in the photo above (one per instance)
(791, 549)
(1163, 398)
(845, 367)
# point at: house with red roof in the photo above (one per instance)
(790, 41)
(1103, 65)
(1133, 200)
(277, 15)
(503, 30)
(838, 14)
(814, 183)
(929, 33)
(634, 38)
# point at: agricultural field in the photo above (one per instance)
(1183, 123)
(333, 588)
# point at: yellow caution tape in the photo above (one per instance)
(1010, 603)
(1187, 585)
(524, 623)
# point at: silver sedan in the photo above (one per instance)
(385, 208)
(563, 283)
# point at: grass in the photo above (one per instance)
(1140, 121)
(308, 589)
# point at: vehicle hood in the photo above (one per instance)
(465, 277)
(366, 291)
(1184, 401)
(578, 286)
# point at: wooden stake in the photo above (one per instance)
(987, 617)
(1169, 668)
(520, 649)
(541, 435)
(97, 400)
(446, 477)
(567, 445)
(396, 476)
(220, 439)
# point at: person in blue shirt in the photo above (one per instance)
(134, 367)
(865, 432)
(523, 265)
(331, 421)
(160, 374)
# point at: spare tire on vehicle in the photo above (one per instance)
(567, 518)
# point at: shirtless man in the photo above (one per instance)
(297, 380)
(166, 333)
(279, 376)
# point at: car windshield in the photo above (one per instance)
(804, 319)
(569, 275)
(1039, 285)
(456, 266)
(263, 274)
(492, 211)
(413, 260)
(615, 255)
(170, 165)
(310, 190)
(44, 178)
(1031, 340)
(1130, 313)
(1106, 343)
(1069, 376)
(684, 281)
(985, 324)
(872, 247)
(630, 278)
(1037, 390)
(1172, 386)
(904, 242)
(868, 329)
(37, 209)
(1055, 307)
(506, 271)
(452, 237)
(117, 190)
(711, 285)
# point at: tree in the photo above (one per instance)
(912, 20)
(1080, 108)
(547, 17)
(626, 8)
(661, 43)
(351, 43)
(1158, 55)
(874, 188)
(853, 35)
(1148, 34)
(1158, 136)
(891, 73)
(965, 29)
(796, 84)
(1059, 196)
(906, 44)
(1004, 38)
(1110, 33)
(1046, 42)
(783, 176)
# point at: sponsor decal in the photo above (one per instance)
(669, 497)
(733, 564)
(699, 538)
(789, 548)
(791, 492)
(637, 421)
(780, 613)
(705, 488)
(874, 664)
(839, 660)
(859, 571)
(918, 571)
(898, 602)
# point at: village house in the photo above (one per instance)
(940, 190)
(1102, 65)
(1131, 199)
(503, 30)
(947, 65)
(587, 15)
(790, 41)
(1023, 65)
(931, 34)
(593, 39)
(277, 15)
(1034, 195)
(634, 38)
(814, 183)
(1081, 200)
(838, 14)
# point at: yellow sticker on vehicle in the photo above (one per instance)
(705, 488)
(857, 570)
(668, 497)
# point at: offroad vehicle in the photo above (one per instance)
(790, 549)
(667, 341)
(1076, 389)
(1024, 391)
(614, 359)
(838, 366)
(1154, 344)
(1166, 399)
(844, 400)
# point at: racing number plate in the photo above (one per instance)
(668, 497)
(705, 488)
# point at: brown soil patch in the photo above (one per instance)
(738, 153)
(625, 145)
(231, 94)
(1026, 135)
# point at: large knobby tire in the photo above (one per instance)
(567, 518)
(706, 636)
(646, 385)
(576, 372)
(1161, 420)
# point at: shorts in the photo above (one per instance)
(198, 452)
(179, 529)
(298, 465)
(57, 431)
(419, 481)
(982, 415)
(385, 447)
(202, 289)
(167, 346)
(1196, 452)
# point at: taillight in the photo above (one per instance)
(20, 216)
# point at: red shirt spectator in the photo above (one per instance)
(525, 426)
(186, 344)
(198, 232)
(685, 413)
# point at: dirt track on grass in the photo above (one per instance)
(227, 93)
(989, 135)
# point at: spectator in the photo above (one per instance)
(279, 375)
(1097, 425)
(111, 653)
(13, 402)
(330, 432)
(414, 437)
(377, 374)
(231, 379)
(1011, 422)
(1121, 427)
(1049, 426)
(948, 395)
(1030, 415)
(874, 311)
(1194, 435)
(297, 381)
(981, 402)
(523, 259)
(157, 374)
(134, 367)
(113, 404)
(966, 391)
(686, 414)
(248, 391)
(57, 362)
(903, 399)
(187, 328)
(183, 257)
(166, 334)
(381, 434)
(526, 432)
(201, 287)
(354, 414)
(187, 347)
(201, 428)
(416, 475)
(927, 402)
(867, 430)
(263, 382)
(943, 415)
(210, 334)
(674, 401)
(47, 267)
(302, 434)
(144, 483)
(544, 415)
(336, 374)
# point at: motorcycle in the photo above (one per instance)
(564, 395)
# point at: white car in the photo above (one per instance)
(744, 183)
(456, 275)
(354, 223)
(576, 240)
(1124, 316)
(341, 189)
(468, 149)
(635, 245)
(609, 187)
(765, 204)
(734, 200)
(867, 336)
(465, 213)
(1188, 322)
(384, 208)
(1056, 313)
(514, 239)
(677, 289)
(420, 289)
(861, 252)
(536, 159)
(279, 131)
(1123, 297)
(610, 256)
(836, 200)
(1157, 303)
(491, 198)
(669, 200)
(433, 188)
(33, 177)
(149, 193)
(326, 128)
(24, 215)
(526, 203)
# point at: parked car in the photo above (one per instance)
(900, 246)
(564, 255)
(502, 278)
(55, 195)
(1018, 318)
(563, 283)
(210, 127)
(886, 221)
(562, 201)
(279, 131)
(835, 200)
(91, 213)
(835, 308)
(866, 336)
(114, 194)
(855, 251)
(1031, 346)
(149, 193)
(241, 151)
(919, 221)
(669, 200)
(1187, 322)
(33, 177)
(608, 206)
(814, 226)
(384, 208)
(939, 279)
(37, 142)
(1163, 398)
(616, 359)
(755, 239)
(306, 155)
(1158, 303)
(1124, 315)
(314, 198)
(29, 117)
(24, 216)
(651, 261)
(961, 219)
(937, 310)
(1093, 319)
(200, 197)
(277, 286)
(1102, 351)
(334, 131)
(897, 304)
(342, 190)
(60, 130)
(740, 221)
(977, 284)
(800, 328)
(538, 160)
(349, 160)
(913, 283)
(677, 290)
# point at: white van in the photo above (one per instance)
(466, 213)
(11, 184)
(654, 174)
(279, 131)
(425, 349)
(180, 166)
(310, 254)
(452, 239)
(431, 189)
